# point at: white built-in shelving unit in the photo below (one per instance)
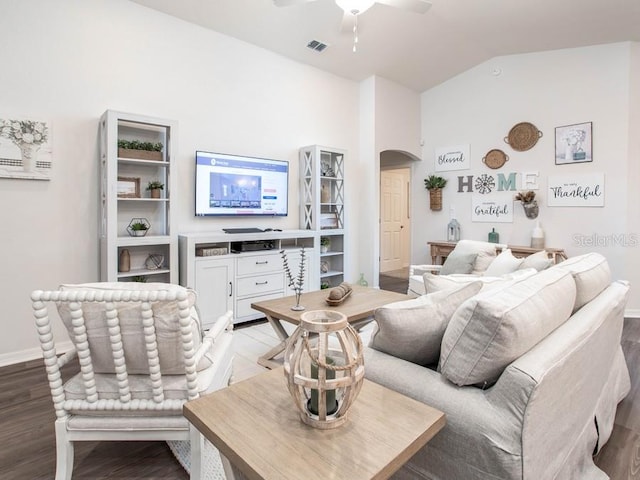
(121, 202)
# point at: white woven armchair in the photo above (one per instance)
(141, 355)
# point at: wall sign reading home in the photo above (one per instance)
(452, 158)
(585, 190)
(494, 208)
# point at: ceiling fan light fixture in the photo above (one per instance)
(355, 7)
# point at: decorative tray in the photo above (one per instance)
(335, 303)
(523, 136)
(495, 158)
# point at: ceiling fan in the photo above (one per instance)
(353, 8)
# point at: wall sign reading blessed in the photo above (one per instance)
(494, 208)
(585, 190)
(452, 158)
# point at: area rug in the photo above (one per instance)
(212, 465)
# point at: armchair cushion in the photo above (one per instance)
(492, 329)
(167, 330)
(504, 263)
(413, 329)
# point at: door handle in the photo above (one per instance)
(230, 289)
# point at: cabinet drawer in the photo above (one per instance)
(260, 284)
(259, 264)
(243, 307)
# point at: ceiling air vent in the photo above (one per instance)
(316, 45)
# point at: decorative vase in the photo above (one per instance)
(435, 199)
(124, 261)
(537, 237)
(363, 281)
(494, 237)
(155, 193)
(29, 154)
(324, 368)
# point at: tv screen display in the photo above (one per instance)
(240, 185)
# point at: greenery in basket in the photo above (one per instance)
(434, 181)
(325, 241)
(526, 197)
(139, 279)
(137, 226)
(155, 185)
(139, 145)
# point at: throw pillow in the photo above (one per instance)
(539, 260)
(492, 329)
(413, 329)
(503, 264)
(167, 329)
(486, 252)
(591, 273)
(458, 263)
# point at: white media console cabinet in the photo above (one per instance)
(229, 271)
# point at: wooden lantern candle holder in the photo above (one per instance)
(324, 367)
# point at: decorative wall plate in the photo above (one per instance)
(523, 136)
(495, 158)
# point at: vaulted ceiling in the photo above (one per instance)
(415, 50)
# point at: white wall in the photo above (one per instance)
(548, 89)
(70, 60)
(390, 121)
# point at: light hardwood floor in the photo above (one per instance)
(27, 416)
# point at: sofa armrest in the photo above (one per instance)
(421, 269)
(224, 323)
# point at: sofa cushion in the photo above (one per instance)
(539, 260)
(435, 283)
(592, 275)
(503, 264)
(458, 263)
(168, 334)
(486, 253)
(413, 329)
(494, 328)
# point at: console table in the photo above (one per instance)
(441, 250)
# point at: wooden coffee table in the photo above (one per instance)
(257, 429)
(358, 308)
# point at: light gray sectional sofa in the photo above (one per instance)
(529, 374)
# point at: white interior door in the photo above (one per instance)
(394, 221)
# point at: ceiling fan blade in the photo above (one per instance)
(288, 3)
(417, 6)
(348, 21)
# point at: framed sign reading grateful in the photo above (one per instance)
(573, 144)
(493, 208)
(452, 158)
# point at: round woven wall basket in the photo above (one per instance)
(495, 158)
(523, 136)
(435, 199)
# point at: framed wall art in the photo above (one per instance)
(574, 144)
(128, 187)
(25, 148)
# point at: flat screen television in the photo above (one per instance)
(239, 185)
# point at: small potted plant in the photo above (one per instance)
(325, 243)
(140, 150)
(138, 227)
(435, 184)
(154, 188)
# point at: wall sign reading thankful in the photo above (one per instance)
(585, 190)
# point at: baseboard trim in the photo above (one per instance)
(29, 354)
(632, 313)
